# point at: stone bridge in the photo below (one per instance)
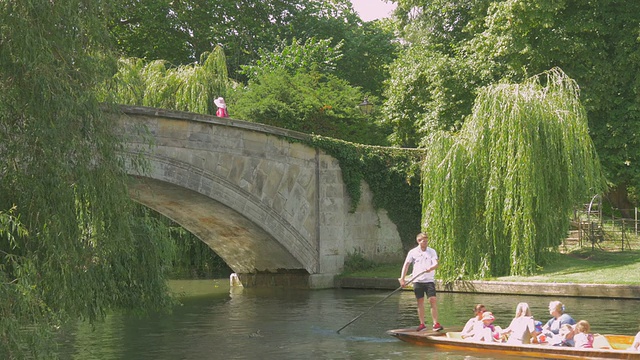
(275, 210)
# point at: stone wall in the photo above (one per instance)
(605, 291)
(293, 192)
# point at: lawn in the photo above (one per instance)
(589, 267)
(585, 266)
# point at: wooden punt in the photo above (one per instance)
(605, 346)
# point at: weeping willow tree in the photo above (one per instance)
(156, 84)
(497, 196)
(71, 245)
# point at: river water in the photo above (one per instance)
(218, 322)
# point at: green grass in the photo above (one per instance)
(589, 267)
(583, 266)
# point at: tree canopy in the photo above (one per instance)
(179, 32)
(455, 48)
(497, 195)
(70, 244)
(187, 87)
(295, 87)
(310, 102)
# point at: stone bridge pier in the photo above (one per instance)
(275, 210)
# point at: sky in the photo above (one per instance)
(372, 9)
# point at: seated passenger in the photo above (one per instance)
(636, 343)
(541, 338)
(581, 336)
(522, 327)
(566, 336)
(552, 328)
(473, 323)
(488, 332)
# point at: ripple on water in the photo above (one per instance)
(281, 324)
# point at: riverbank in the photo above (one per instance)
(582, 272)
(604, 291)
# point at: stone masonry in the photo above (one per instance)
(274, 209)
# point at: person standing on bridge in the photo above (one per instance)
(222, 107)
(425, 263)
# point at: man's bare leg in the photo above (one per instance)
(421, 310)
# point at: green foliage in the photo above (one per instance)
(187, 88)
(357, 262)
(368, 47)
(151, 30)
(441, 23)
(434, 80)
(427, 93)
(390, 271)
(308, 102)
(194, 259)
(595, 43)
(393, 175)
(313, 55)
(181, 31)
(497, 196)
(76, 252)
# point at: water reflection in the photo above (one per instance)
(216, 322)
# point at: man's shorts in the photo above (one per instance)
(421, 288)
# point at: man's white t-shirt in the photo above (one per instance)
(422, 260)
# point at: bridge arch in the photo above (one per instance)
(264, 204)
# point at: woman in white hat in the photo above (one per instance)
(222, 107)
(488, 332)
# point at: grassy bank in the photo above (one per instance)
(584, 266)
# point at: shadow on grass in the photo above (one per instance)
(587, 260)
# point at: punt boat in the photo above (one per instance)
(604, 346)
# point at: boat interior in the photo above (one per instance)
(615, 342)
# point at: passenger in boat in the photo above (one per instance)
(425, 263)
(566, 336)
(541, 338)
(636, 343)
(581, 336)
(473, 323)
(488, 332)
(522, 328)
(552, 328)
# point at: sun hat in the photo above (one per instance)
(220, 103)
(487, 316)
